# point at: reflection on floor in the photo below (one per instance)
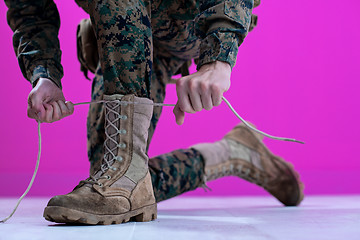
(258, 218)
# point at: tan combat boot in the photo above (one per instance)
(121, 189)
(242, 153)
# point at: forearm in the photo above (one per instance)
(222, 26)
(35, 40)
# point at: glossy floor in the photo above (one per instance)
(258, 218)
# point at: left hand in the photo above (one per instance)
(202, 90)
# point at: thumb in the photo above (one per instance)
(179, 114)
(70, 106)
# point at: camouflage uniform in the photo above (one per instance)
(141, 45)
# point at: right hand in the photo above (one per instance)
(46, 102)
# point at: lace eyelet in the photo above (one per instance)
(122, 131)
(122, 145)
(108, 177)
(100, 184)
(114, 168)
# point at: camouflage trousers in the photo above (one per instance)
(129, 34)
(173, 173)
(136, 59)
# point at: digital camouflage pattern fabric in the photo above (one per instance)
(172, 173)
(176, 172)
(141, 45)
(126, 32)
(35, 39)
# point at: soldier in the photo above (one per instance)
(141, 44)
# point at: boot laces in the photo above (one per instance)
(109, 156)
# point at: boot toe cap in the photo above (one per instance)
(94, 204)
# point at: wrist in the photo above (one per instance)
(44, 81)
(46, 71)
(216, 65)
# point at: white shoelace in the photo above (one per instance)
(155, 104)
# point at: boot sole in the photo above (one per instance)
(65, 215)
(300, 195)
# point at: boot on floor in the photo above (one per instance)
(121, 189)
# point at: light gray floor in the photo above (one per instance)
(319, 217)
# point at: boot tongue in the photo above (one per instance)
(105, 165)
(98, 174)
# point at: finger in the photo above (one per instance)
(207, 102)
(205, 96)
(42, 114)
(179, 114)
(48, 114)
(216, 95)
(37, 101)
(194, 94)
(35, 109)
(57, 114)
(64, 109)
(185, 104)
(31, 113)
(195, 101)
(183, 97)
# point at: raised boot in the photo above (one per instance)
(121, 189)
(242, 153)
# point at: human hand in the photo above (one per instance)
(46, 102)
(202, 90)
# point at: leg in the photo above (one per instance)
(176, 172)
(242, 153)
(119, 189)
(173, 173)
(124, 42)
(181, 170)
(124, 39)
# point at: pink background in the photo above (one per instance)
(297, 75)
